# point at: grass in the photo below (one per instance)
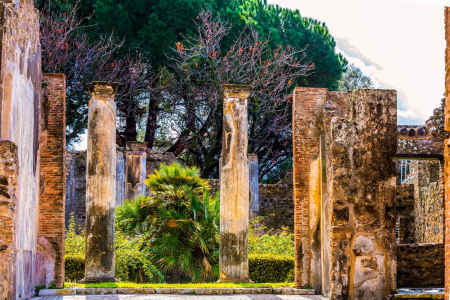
(125, 284)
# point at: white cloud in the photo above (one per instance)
(399, 43)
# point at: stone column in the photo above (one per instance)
(254, 184)
(307, 104)
(53, 180)
(136, 164)
(101, 183)
(447, 155)
(234, 186)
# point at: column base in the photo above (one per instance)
(99, 279)
(235, 280)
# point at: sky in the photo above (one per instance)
(400, 44)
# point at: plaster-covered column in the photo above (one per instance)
(136, 162)
(254, 184)
(234, 186)
(101, 183)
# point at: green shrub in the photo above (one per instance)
(74, 243)
(179, 223)
(132, 258)
(262, 240)
(270, 268)
(74, 267)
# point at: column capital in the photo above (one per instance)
(104, 89)
(239, 91)
(136, 147)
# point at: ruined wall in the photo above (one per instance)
(52, 182)
(276, 206)
(429, 202)
(405, 227)
(20, 83)
(420, 265)
(75, 188)
(361, 189)
(275, 203)
(8, 202)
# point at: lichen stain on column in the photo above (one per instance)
(234, 186)
(101, 184)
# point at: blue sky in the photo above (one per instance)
(400, 44)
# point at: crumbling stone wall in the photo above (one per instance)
(429, 202)
(275, 201)
(276, 206)
(343, 149)
(52, 182)
(361, 189)
(420, 265)
(405, 227)
(8, 202)
(20, 90)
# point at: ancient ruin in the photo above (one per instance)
(234, 186)
(344, 191)
(101, 184)
(370, 198)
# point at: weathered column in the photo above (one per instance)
(234, 186)
(9, 167)
(308, 103)
(254, 184)
(53, 180)
(136, 164)
(100, 183)
(447, 155)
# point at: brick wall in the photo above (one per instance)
(420, 265)
(52, 180)
(306, 141)
(8, 202)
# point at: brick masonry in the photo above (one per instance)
(8, 202)
(306, 148)
(52, 178)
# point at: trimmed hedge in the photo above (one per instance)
(74, 267)
(270, 268)
(263, 268)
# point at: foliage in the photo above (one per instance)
(74, 267)
(176, 285)
(74, 242)
(132, 259)
(195, 95)
(67, 48)
(152, 28)
(353, 78)
(267, 242)
(270, 268)
(178, 221)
